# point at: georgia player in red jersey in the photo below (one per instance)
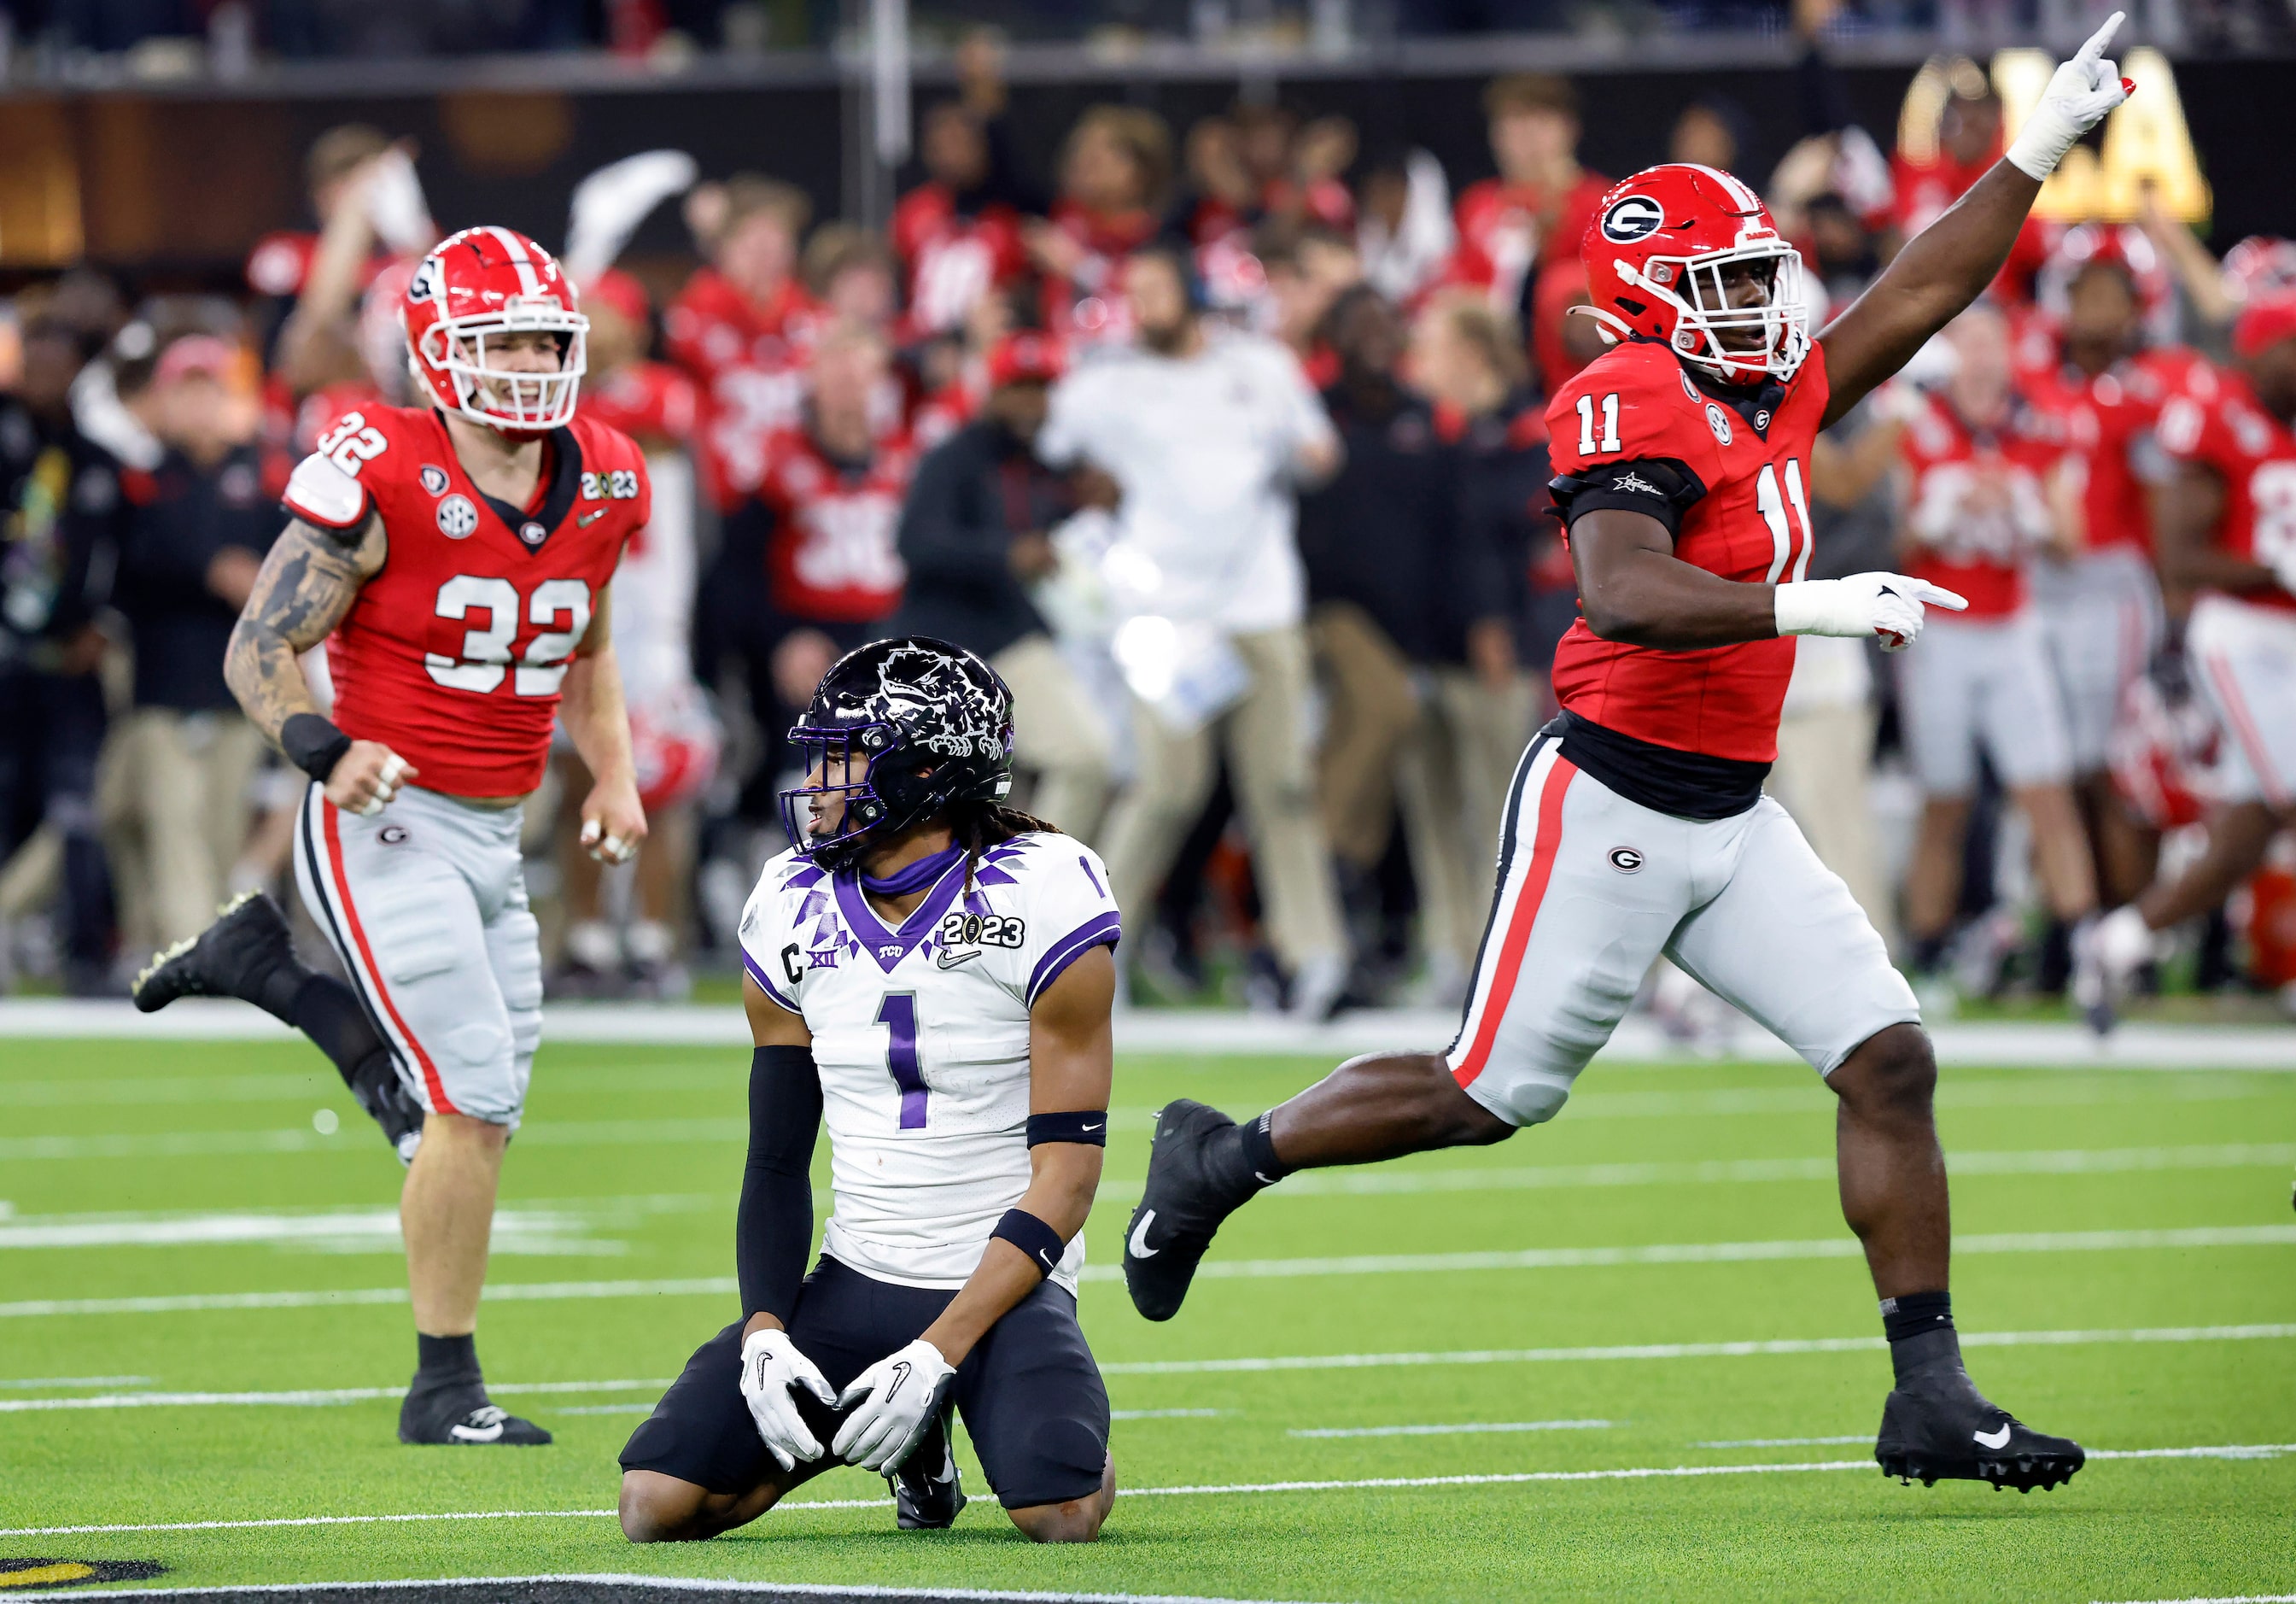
(1637, 825)
(456, 559)
(2228, 531)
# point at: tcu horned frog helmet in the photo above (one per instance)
(470, 294)
(1660, 256)
(896, 732)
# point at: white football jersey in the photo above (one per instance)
(921, 1035)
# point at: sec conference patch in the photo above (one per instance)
(45, 1575)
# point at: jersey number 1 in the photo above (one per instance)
(1586, 445)
(899, 1014)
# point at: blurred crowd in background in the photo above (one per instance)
(1228, 450)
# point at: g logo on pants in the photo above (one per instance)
(1626, 859)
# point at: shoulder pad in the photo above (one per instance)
(320, 492)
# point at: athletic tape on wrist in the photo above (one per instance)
(1088, 1126)
(1032, 1236)
(313, 744)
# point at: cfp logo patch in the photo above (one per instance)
(1633, 218)
(621, 484)
(1626, 859)
(458, 519)
(986, 930)
(434, 479)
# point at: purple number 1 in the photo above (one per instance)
(900, 1014)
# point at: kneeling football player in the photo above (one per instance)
(931, 970)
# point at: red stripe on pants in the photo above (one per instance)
(1547, 837)
(438, 1098)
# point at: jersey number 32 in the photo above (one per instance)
(485, 656)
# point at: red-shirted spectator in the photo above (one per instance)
(1536, 210)
(1986, 493)
(810, 568)
(958, 234)
(2100, 607)
(1967, 144)
(739, 327)
(1116, 174)
(281, 260)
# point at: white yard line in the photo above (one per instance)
(307, 1397)
(1684, 1350)
(1786, 1441)
(2234, 1451)
(1529, 1258)
(1467, 1429)
(1208, 1031)
(326, 1396)
(1719, 1253)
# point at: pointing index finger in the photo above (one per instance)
(2095, 49)
(1937, 596)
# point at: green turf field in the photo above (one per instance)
(1667, 1213)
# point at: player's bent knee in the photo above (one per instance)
(1894, 1071)
(1078, 1521)
(655, 1508)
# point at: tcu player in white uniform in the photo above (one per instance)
(930, 971)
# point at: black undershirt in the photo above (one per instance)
(1665, 779)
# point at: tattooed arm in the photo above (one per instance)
(306, 586)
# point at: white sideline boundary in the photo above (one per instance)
(326, 1397)
(1203, 1031)
(2225, 1450)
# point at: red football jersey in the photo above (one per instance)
(1089, 307)
(1980, 506)
(833, 556)
(2255, 453)
(453, 654)
(645, 400)
(2108, 420)
(749, 362)
(1636, 403)
(953, 259)
(1500, 238)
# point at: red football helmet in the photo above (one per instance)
(474, 290)
(1657, 255)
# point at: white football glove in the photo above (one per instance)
(2081, 91)
(894, 1402)
(771, 1366)
(1888, 604)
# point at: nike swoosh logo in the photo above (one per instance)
(900, 1375)
(1046, 1255)
(1138, 1246)
(1087, 1130)
(476, 1434)
(1993, 1439)
(949, 960)
(588, 519)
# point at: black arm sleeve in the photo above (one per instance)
(774, 1229)
(1662, 487)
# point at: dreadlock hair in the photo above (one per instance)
(978, 825)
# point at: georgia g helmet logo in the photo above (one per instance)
(1633, 218)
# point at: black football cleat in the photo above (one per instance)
(441, 1418)
(928, 1501)
(1181, 1206)
(231, 957)
(1937, 1426)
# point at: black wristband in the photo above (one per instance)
(313, 745)
(1033, 1237)
(1086, 1126)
